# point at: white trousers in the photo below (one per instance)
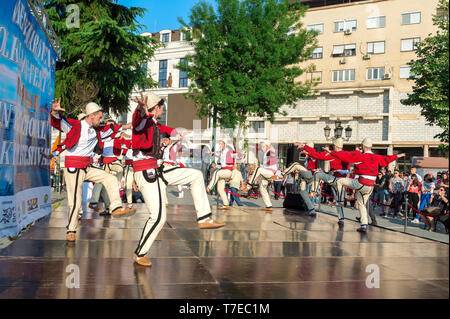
(267, 175)
(362, 194)
(219, 177)
(153, 190)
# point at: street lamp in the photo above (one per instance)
(326, 131)
(348, 132)
(338, 131)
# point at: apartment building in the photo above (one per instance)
(362, 74)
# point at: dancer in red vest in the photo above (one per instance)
(226, 158)
(82, 138)
(366, 170)
(152, 177)
(110, 163)
(267, 170)
(338, 169)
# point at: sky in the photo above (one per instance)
(163, 14)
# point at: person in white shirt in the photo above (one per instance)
(82, 138)
(226, 158)
(267, 170)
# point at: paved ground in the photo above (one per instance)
(256, 255)
(397, 224)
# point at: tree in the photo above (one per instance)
(430, 75)
(103, 56)
(246, 58)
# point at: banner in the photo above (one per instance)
(27, 81)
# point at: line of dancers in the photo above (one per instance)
(150, 155)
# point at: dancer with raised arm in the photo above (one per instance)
(152, 176)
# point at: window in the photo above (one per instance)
(375, 47)
(341, 26)
(410, 44)
(376, 22)
(257, 127)
(183, 76)
(350, 49)
(338, 50)
(344, 75)
(314, 77)
(162, 73)
(165, 37)
(405, 72)
(347, 50)
(375, 74)
(317, 53)
(411, 17)
(315, 27)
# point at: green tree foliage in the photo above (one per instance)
(246, 58)
(430, 74)
(103, 57)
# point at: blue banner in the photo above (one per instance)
(27, 82)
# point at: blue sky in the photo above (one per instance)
(163, 14)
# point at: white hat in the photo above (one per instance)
(81, 116)
(339, 142)
(310, 144)
(92, 107)
(153, 99)
(367, 142)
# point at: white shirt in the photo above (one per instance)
(87, 141)
(88, 138)
(273, 167)
(108, 147)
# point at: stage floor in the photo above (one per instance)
(256, 255)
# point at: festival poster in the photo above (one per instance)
(27, 81)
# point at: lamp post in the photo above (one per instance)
(338, 130)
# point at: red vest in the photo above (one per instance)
(146, 138)
(366, 164)
(74, 134)
(335, 163)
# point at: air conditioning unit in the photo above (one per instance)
(342, 61)
(347, 31)
(387, 76)
(367, 56)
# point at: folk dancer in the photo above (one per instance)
(266, 171)
(82, 138)
(365, 169)
(226, 160)
(151, 177)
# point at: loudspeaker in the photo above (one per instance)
(293, 155)
(294, 201)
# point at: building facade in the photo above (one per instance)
(361, 73)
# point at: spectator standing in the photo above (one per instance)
(396, 189)
(413, 171)
(378, 193)
(277, 184)
(387, 180)
(235, 184)
(428, 187)
(288, 183)
(414, 189)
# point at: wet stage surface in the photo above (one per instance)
(256, 255)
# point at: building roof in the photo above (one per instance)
(430, 162)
